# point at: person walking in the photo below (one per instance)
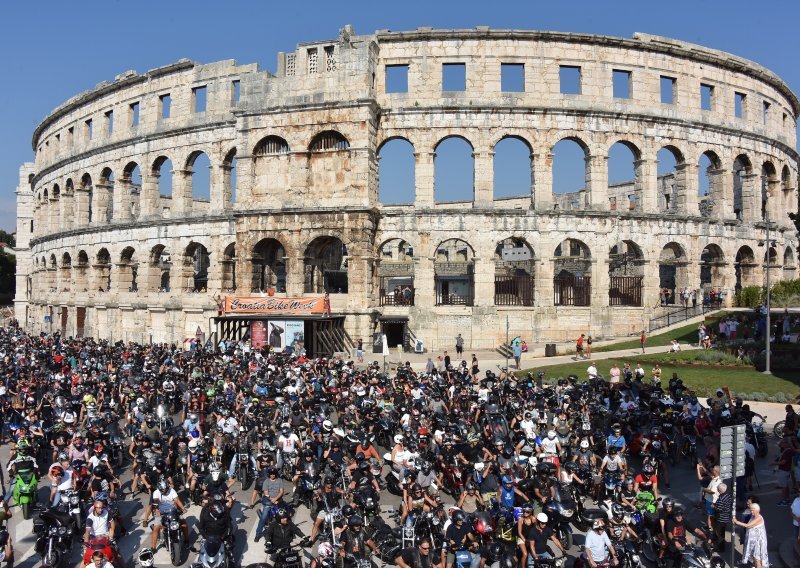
(517, 353)
(459, 344)
(579, 347)
(643, 340)
(589, 342)
(755, 543)
(360, 350)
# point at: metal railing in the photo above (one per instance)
(680, 314)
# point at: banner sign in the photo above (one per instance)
(258, 334)
(274, 306)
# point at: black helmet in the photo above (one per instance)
(617, 511)
(458, 516)
(363, 467)
(355, 522)
(99, 470)
(508, 452)
(348, 511)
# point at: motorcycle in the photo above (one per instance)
(213, 554)
(171, 533)
(104, 545)
(243, 466)
(53, 530)
(289, 557)
(560, 510)
(69, 503)
(627, 554)
(758, 436)
(26, 488)
(307, 485)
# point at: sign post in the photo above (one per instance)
(731, 466)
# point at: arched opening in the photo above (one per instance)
(709, 183)
(453, 171)
(269, 266)
(624, 178)
(670, 185)
(66, 273)
(160, 264)
(745, 268)
(673, 274)
(572, 281)
(626, 274)
(787, 203)
(454, 273)
(513, 168)
(229, 177)
(229, 268)
(514, 272)
(570, 174)
(741, 169)
(199, 168)
(789, 268)
(769, 182)
(81, 272)
(325, 267)
(271, 165)
(86, 184)
(396, 172)
(106, 195)
(328, 141)
(102, 269)
(162, 170)
(196, 261)
(396, 273)
(68, 207)
(128, 270)
(132, 178)
(712, 269)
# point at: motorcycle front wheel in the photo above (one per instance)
(26, 511)
(565, 538)
(176, 554)
(777, 431)
(648, 549)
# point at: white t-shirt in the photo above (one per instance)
(625, 406)
(796, 511)
(288, 443)
(100, 525)
(592, 371)
(549, 446)
(712, 486)
(527, 426)
(168, 498)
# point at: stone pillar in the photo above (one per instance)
(597, 186)
(651, 284)
(484, 179)
(601, 282)
(424, 283)
(775, 202)
(53, 210)
(81, 210)
(424, 178)
(484, 282)
(647, 193)
(686, 180)
(542, 164)
(100, 205)
(245, 178)
(721, 191)
(64, 214)
(295, 275)
(751, 198)
(545, 267)
(149, 199)
(181, 192)
(220, 187)
(122, 200)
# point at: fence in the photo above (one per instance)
(513, 290)
(625, 291)
(677, 315)
(572, 291)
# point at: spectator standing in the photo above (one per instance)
(360, 350)
(643, 340)
(589, 342)
(796, 517)
(710, 494)
(783, 467)
(694, 298)
(755, 544)
(579, 347)
(459, 344)
(722, 514)
(517, 353)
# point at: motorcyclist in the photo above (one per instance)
(597, 546)
(354, 541)
(164, 499)
(215, 520)
(280, 533)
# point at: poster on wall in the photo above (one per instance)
(258, 334)
(277, 334)
(295, 335)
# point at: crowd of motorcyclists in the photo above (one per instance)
(493, 470)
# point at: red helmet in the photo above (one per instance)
(57, 471)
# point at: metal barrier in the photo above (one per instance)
(678, 315)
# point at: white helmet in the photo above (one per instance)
(551, 434)
(542, 518)
(584, 444)
(398, 438)
(193, 443)
(327, 425)
(480, 466)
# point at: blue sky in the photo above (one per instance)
(53, 50)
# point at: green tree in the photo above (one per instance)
(8, 270)
(8, 238)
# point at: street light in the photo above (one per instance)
(768, 244)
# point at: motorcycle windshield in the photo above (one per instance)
(213, 546)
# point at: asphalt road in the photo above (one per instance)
(685, 488)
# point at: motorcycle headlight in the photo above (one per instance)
(567, 513)
(53, 530)
(636, 559)
(173, 526)
(559, 562)
(62, 531)
(74, 500)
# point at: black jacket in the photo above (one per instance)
(209, 526)
(280, 536)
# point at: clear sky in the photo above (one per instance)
(52, 50)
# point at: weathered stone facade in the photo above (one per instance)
(109, 256)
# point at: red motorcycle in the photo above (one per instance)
(104, 545)
(453, 479)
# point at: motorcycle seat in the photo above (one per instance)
(595, 514)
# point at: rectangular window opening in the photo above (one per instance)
(166, 104)
(706, 96)
(312, 57)
(454, 77)
(71, 135)
(512, 77)
(569, 79)
(199, 99)
(134, 114)
(235, 91)
(738, 104)
(58, 140)
(621, 83)
(397, 78)
(110, 122)
(668, 90)
(765, 113)
(89, 129)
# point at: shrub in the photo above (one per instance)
(786, 293)
(749, 297)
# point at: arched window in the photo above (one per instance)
(196, 261)
(570, 174)
(103, 271)
(162, 170)
(325, 268)
(128, 270)
(626, 274)
(106, 195)
(670, 184)
(709, 183)
(789, 268)
(160, 264)
(132, 178)
(572, 274)
(199, 167)
(396, 172)
(271, 167)
(672, 271)
(514, 273)
(454, 273)
(712, 268)
(396, 273)
(513, 168)
(769, 182)
(229, 268)
(745, 267)
(81, 272)
(329, 141)
(742, 167)
(453, 171)
(624, 177)
(269, 266)
(271, 146)
(86, 184)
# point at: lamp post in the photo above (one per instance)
(768, 245)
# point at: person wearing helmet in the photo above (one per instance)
(165, 499)
(537, 538)
(421, 555)
(474, 451)
(215, 521)
(647, 480)
(617, 439)
(597, 546)
(287, 444)
(415, 501)
(509, 492)
(99, 522)
(678, 534)
(458, 536)
(217, 481)
(103, 479)
(470, 500)
(193, 425)
(281, 532)
(61, 479)
(326, 500)
(354, 542)
(613, 462)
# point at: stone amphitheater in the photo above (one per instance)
(293, 210)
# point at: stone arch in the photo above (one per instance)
(624, 175)
(742, 170)
(269, 266)
(86, 185)
(102, 270)
(626, 265)
(453, 170)
(131, 190)
(65, 273)
(570, 156)
(229, 268)
(710, 190)
(671, 170)
(512, 167)
(325, 266)
(271, 145)
(787, 201)
(160, 264)
(395, 271)
(196, 261)
(271, 166)
(769, 186)
(712, 267)
(198, 170)
(789, 267)
(673, 272)
(514, 272)
(745, 267)
(128, 270)
(396, 171)
(454, 273)
(105, 196)
(328, 141)
(162, 170)
(81, 272)
(572, 268)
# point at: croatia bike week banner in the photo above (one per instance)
(273, 306)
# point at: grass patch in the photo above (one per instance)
(704, 379)
(684, 334)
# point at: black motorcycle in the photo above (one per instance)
(560, 511)
(243, 467)
(54, 531)
(171, 532)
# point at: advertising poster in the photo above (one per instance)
(277, 334)
(295, 335)
(258, 334)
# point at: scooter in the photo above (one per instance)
(102, 544)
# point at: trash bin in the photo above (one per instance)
(550, 350)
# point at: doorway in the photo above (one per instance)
(395, 332)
